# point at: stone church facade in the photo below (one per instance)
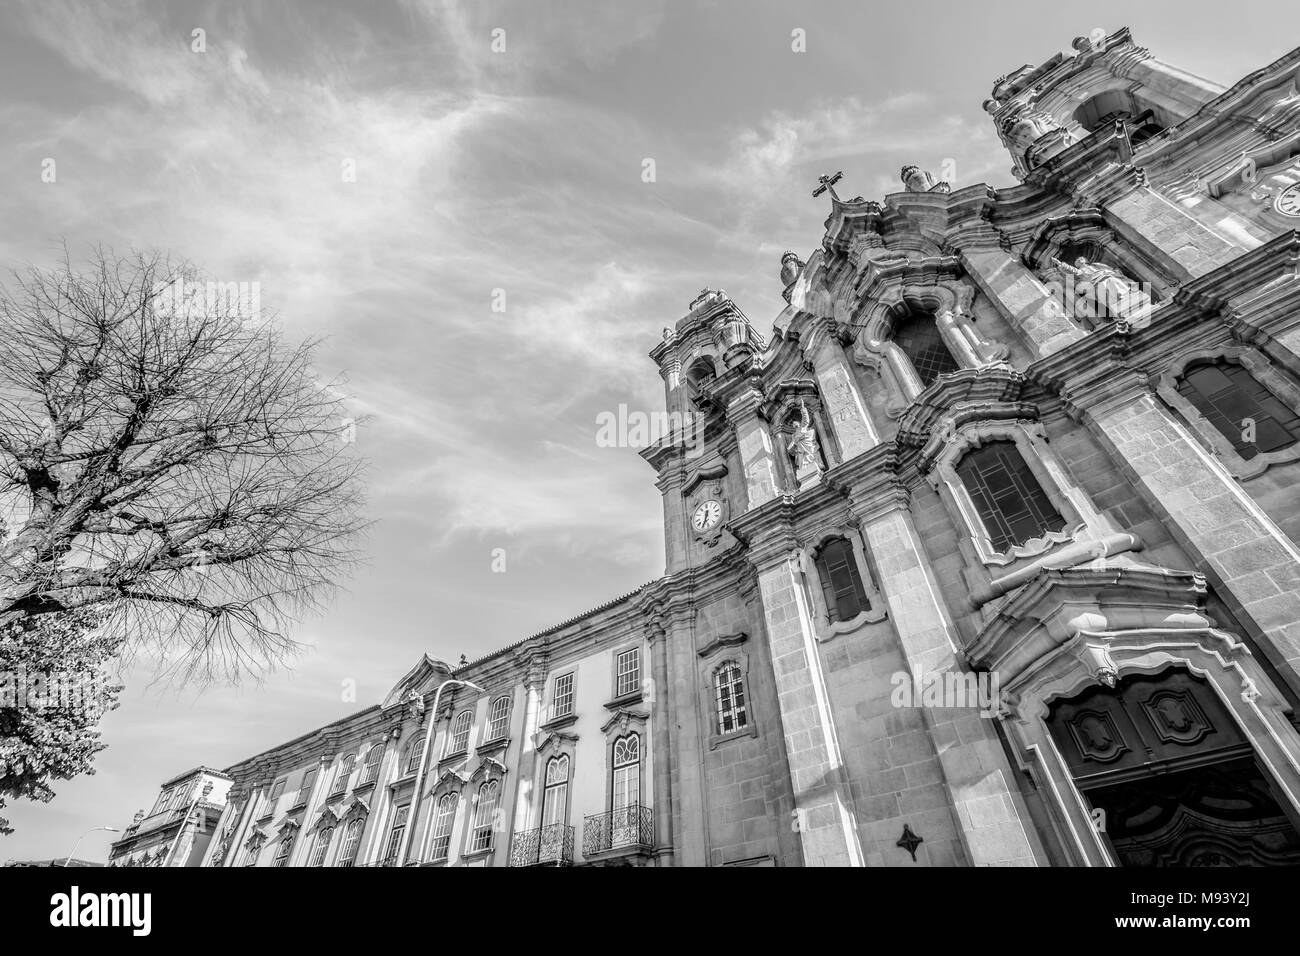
(985, 556)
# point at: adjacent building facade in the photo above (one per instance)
(986, 555)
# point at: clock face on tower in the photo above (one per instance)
(1288, 201)
(707, 515)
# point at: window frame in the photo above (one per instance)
(303, 793)
(493, 719)
(371, 768)
(1005, 455)
(342, 775)
(722, 669)
(439, 819)
(549, 789)
(1277, 381)
(571, 696)
(478, 827)
(277, 791)
(1030, 441)
(285, 849)
(876, 610)
(636, 688)
(412, 753)
(396, 831)
(452, 749)
(321, 846)
(353, 832)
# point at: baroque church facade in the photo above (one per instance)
(986, 555)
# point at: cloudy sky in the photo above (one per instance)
(478, 170)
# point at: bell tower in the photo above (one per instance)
(704, 361)
(1041, 111)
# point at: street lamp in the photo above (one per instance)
(424, 760)
(75, 846)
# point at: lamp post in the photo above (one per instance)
(424, 760)
(77, 845)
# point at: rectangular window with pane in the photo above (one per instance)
(458, 739)
(842, 589)
(498, 719)
(562, 696)
(344, 774)
(729, 695)
(627, 672)
(304, 790)
(485, 815)
(395, 834)
(276, 790)
(1011, 503)
(370, 770)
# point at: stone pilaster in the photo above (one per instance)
(840, 393)
(1025, 303)
(755, 444)
(1146, 217)
(976, 772)
(661, 733)
(1253, 565)
(535, 667)
(825, 819)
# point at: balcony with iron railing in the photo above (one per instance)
(623, 831)
(545, 846)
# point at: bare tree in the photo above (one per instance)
(170, 461)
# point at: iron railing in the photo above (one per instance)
(548, 845)
(632, 826)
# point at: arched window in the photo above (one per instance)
(555, 796)
(729, 696)
(1010, 501)
(351, 842)
(701, 372)
(411, 757)
(489, 796)
(322, 846)
(1244, 411)
(442, 821)
(341, 778)
(626, 791)
(498, 719)
(919, 338)
(286, 847)
(371, 769)
(1102, 112)
(837, 568)
(458, 739)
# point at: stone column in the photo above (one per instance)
(755, 444)
(661, 732)
(976, 772)
(1023, 301)
(1253, 565)
(840, 393)
(827, 826)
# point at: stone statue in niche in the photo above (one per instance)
(803, 448)
(1103, 290)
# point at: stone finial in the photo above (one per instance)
(791, 266)
(916, 179)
